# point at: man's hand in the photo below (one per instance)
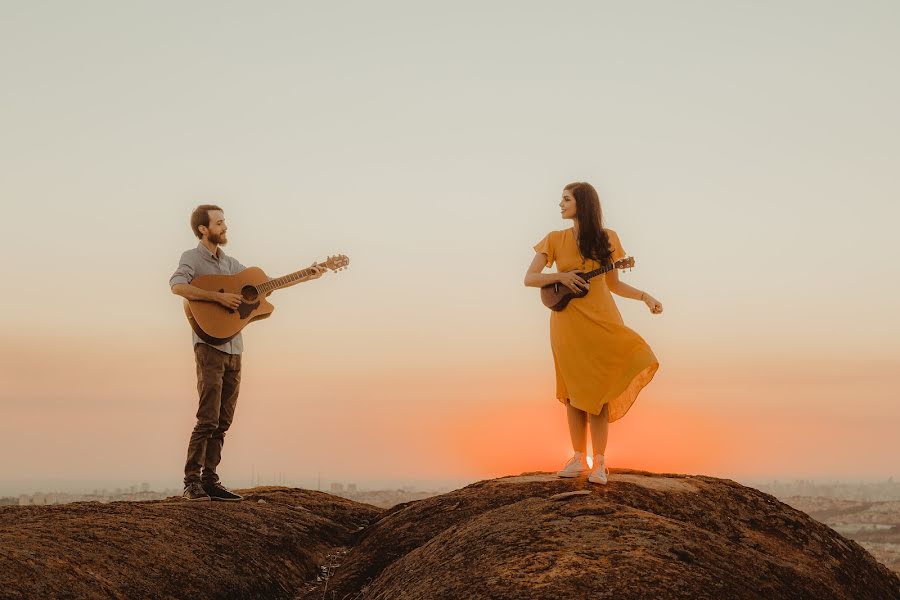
(317, 271)
(227, 300)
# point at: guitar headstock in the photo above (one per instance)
(625, 263)
(337, 263)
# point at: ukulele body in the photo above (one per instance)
(556, 296)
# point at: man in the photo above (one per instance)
(218, 367)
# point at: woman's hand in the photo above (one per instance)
(572, 281)
(652, 303)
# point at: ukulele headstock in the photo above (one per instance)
(337, 263)
(625, 263)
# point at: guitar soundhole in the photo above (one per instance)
(250, 293)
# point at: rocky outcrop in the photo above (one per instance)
(643, 535)
(264, 547)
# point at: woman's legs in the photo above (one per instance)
(599, 430)
(577, 427)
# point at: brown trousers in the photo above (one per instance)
(218, 383)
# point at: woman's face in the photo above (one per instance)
(567, 205)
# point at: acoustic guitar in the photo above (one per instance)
(215, 324)
(556, 296)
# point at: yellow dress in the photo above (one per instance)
(598, 359)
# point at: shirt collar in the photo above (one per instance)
(206, 251)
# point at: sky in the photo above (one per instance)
(745, 153)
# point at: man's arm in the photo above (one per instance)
(180, 284)
(192, 292)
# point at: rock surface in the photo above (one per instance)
(641, 536)
(174, 548)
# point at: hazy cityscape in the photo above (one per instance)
(384, 498)
(134, 493)
(387, 496)
(864, 492)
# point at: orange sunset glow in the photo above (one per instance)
(755, 186)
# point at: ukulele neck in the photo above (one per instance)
(280, 282)
(595, 272)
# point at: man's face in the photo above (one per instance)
(216, 232)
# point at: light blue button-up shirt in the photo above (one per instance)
(200, 261)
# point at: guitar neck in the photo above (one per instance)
(280, 282)
(595, 272)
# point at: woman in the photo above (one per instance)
(601, 365)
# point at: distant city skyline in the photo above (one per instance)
(8, 488)
(776, 487)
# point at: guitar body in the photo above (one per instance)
(215, 324)
(556, 296)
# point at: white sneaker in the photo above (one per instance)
(577, 465)
(598, 475)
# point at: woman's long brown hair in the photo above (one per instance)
(593, 241)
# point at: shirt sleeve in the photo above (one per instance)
(236, 265)
(184, 273)
(546, 247)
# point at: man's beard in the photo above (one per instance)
(217, 239)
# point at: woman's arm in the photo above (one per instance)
(534, 277)
(620, 288)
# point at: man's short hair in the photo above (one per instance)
(200, 216)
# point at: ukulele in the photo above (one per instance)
(215, 324)
(556, 296)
